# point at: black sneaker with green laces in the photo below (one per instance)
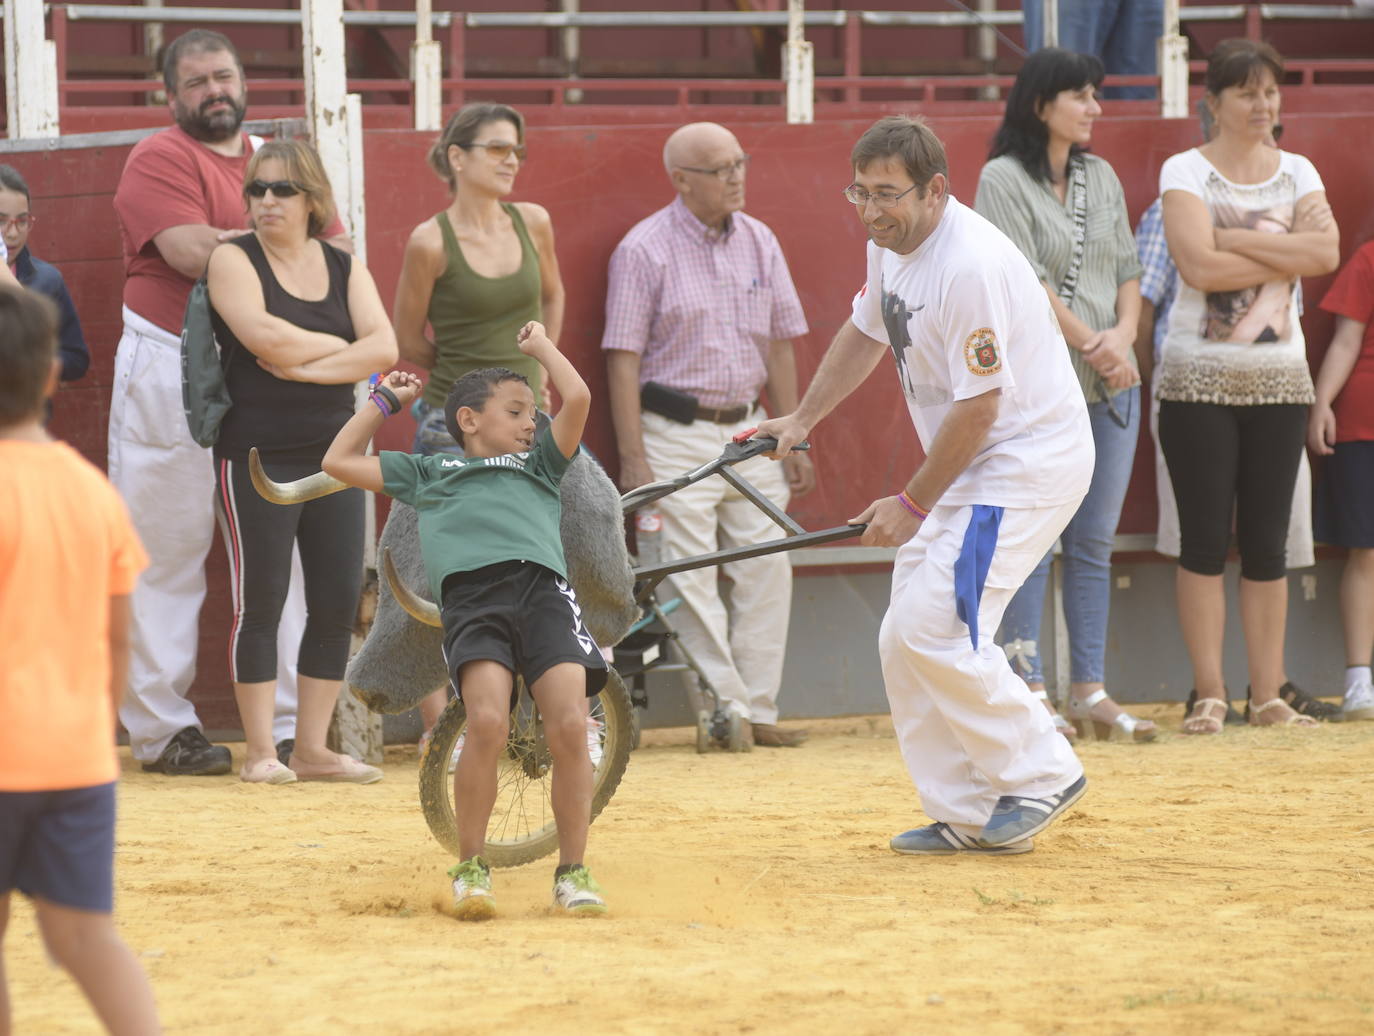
(576, 892)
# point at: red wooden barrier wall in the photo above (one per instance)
(597, 181)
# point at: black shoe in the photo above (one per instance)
(285, 747)
(1302, 703)
(188, 754)
(1233, 718)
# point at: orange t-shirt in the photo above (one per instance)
(66, 547)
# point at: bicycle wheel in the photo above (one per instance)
(521, 828)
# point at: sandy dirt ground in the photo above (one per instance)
(1204, 885)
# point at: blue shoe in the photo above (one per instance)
(1015, 817)
(943, 840)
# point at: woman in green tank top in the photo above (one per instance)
(475, 273)
(478, 271)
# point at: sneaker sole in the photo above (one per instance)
(1357, 714)
(586, 910)
(216, 770)
(1015, 849)
(475, 908)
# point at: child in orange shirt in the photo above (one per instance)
(68, 561)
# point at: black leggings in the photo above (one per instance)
(258, 536)
(1233, 458)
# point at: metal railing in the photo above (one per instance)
(847, 87)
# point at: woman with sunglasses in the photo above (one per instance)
(1065, 210)
(1244, 220)
(298, 322)
(475, 273)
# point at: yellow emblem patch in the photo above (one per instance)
(980, 352)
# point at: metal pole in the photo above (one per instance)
(987, 50)
(1172, 59)
(572, 52)
(426, 71)
(30, 72)
(799, 67)
(154, 36)
(1049, 13)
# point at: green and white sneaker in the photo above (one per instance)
(576, 892)
(472, 898)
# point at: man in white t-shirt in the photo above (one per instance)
(1008, 457)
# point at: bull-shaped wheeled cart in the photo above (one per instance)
(401, 660)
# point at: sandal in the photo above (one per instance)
(1294, 719)
(1206, 716)
(1124, 727)
(1060, 723)
(350, 771)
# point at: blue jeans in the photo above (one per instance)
(1122, 33)
(1087, 552)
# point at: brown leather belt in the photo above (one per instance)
(723, 414)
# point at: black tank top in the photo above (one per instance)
(285, 420)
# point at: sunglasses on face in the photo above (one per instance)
(500, 151)
(279, 188)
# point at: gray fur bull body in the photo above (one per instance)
(402, 659)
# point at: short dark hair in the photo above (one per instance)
(1236, 61)
(28, 345)
(461, 130)
(907, 138)
(188, 42)
(1046, 74)
(10, 180)
(473, 390)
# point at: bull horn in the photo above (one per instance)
(416, 607)
(312, 487)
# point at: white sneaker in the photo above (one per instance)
(595, 749)
(1358, 703)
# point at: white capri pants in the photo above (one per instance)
(968, 728)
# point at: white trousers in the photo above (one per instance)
(168, 485)
(741, 645)
(968, 728)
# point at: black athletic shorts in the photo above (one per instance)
(521, 615)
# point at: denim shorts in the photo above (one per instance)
(59, 846)
(431, 431)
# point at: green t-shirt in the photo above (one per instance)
(477, 511)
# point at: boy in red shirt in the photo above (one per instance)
(68, 561)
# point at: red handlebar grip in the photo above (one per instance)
(745, 436)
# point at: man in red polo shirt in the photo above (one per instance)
(180, 195)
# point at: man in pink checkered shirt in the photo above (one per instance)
(700, 314)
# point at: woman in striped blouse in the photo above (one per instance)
(1065, 210)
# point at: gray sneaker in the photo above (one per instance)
(576, 892)
(943, 840)
(1018, 817)
(472, 898)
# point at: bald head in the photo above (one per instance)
(706, 167)
(695, 144)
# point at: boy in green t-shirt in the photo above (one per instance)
(489, 536)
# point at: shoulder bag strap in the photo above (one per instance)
(1078, 194)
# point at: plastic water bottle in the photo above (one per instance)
(648, 536)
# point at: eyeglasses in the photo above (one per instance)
(882, 199)
(501, 150)
(20, 222)
(724, 173)
(279, 188)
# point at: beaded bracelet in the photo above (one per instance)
(912, 506)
